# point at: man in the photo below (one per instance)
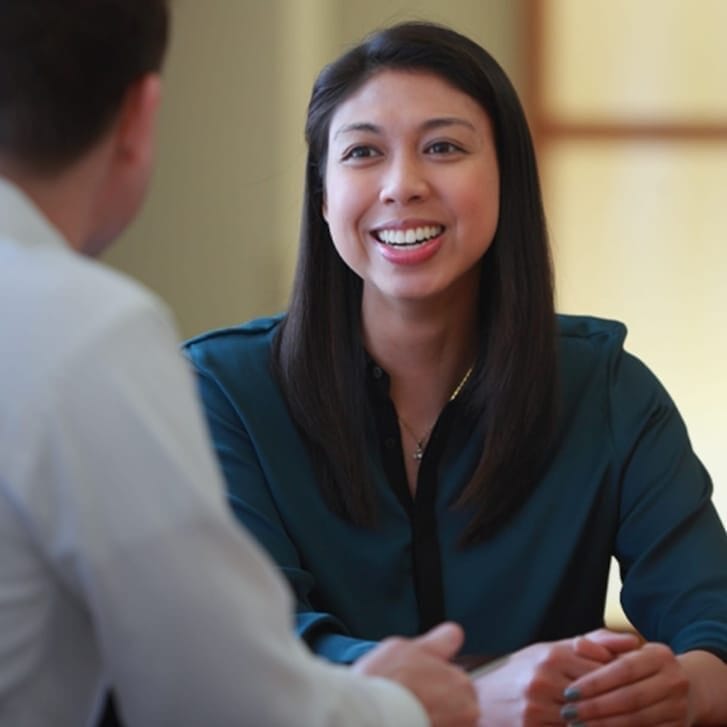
(120, 565)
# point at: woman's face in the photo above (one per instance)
(411, 186)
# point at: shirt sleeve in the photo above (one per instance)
(193, 623)
(671, 544)
(254, 506)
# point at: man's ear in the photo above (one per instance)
(127, 153)
(136, 125)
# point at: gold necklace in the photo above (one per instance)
(421, 443)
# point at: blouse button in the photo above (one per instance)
(377, 373)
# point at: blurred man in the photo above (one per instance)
(120, 564)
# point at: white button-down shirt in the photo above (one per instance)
(119, 562)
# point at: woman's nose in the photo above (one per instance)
(404, 181)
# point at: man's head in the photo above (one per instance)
(65, 66)
(75, 75)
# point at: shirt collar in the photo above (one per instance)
(378, 382)
(377, 379)
(22, 221)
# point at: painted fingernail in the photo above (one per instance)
(572, 694)
(569, 712)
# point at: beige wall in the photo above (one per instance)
(217, 238)
(638, 226)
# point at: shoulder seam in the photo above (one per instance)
(253, 327)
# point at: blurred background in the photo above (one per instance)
(627, 101)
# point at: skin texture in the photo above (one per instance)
(403, 165)
(621, 682)
(647, 686)
(652, 686)
(426, 160)
(528, 688)
(446, 692)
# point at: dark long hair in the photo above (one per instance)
(318, 356)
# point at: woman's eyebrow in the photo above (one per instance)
(439, 122)
(428, 125)
(358, 126)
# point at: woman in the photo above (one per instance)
(421, 437)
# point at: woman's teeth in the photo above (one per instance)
(413, 236)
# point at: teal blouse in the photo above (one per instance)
(623, 481)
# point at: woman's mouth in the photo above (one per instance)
(410, 237)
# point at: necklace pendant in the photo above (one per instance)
(418, 453)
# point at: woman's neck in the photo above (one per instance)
(428, 350)
(425, 347)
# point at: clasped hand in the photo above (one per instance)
(602, 679)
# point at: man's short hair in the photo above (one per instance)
(64, 68)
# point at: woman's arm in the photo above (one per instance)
(707, 676)
(670, 543)
(253, 504)
(672, 550)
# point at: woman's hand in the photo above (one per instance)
(647, 686)
(528, 688)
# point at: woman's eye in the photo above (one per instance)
(360, 152)
(443, 147)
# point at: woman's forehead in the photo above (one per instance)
(404, 94)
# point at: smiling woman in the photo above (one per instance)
(404, 186)
(422, 438)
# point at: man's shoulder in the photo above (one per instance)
(110, 291)
(60, 287)
(66, 312)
